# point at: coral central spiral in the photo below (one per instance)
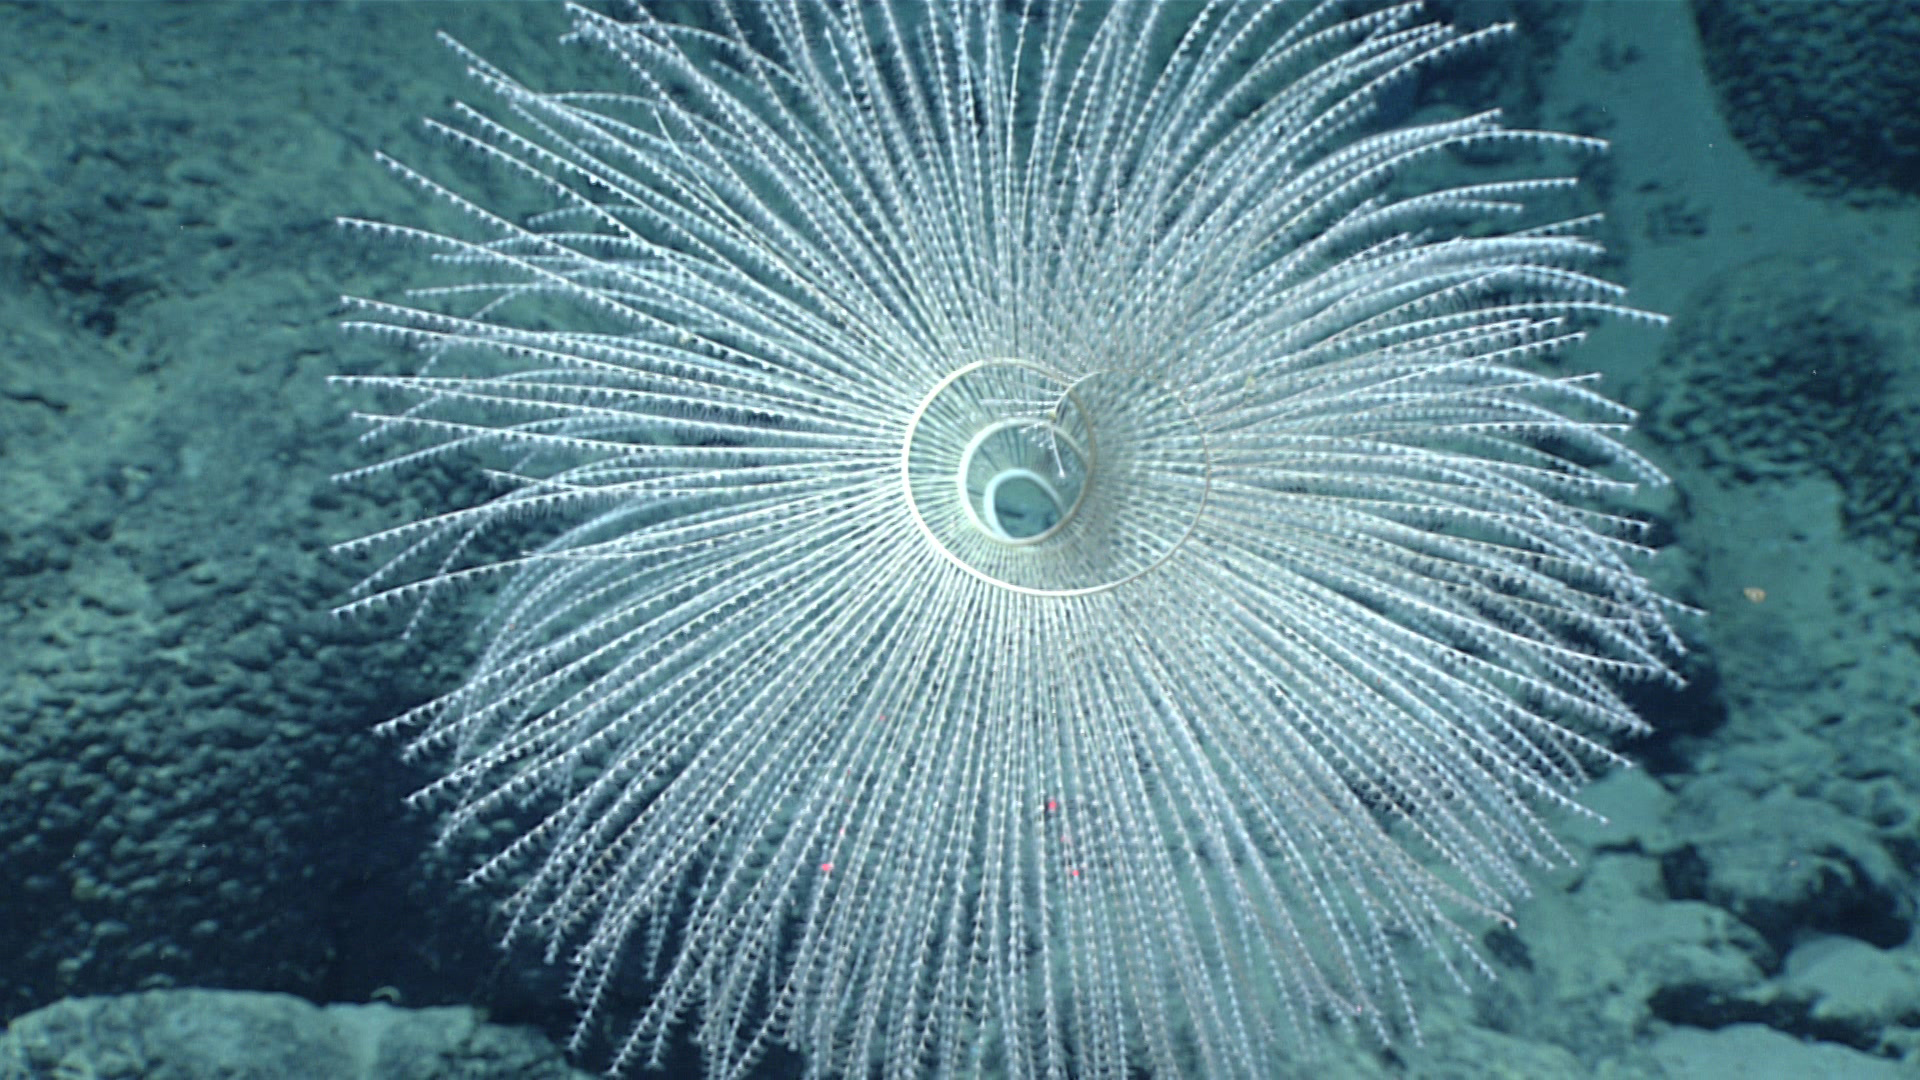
(1055, 486)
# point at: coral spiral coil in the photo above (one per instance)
(1051, 485)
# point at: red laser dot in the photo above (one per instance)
(826, 868)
